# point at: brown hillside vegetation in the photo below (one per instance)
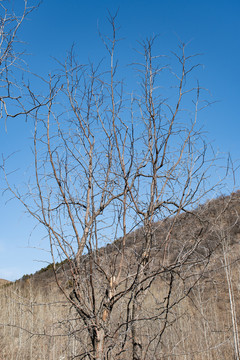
(3, 282)
(197, 306)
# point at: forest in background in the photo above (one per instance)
(38, 323)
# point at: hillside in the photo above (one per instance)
(3, 282)
(202, 314)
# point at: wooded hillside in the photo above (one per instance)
(196, 303)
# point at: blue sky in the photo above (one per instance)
(212, 28)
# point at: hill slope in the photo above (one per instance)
(3, 282)
(203, 314)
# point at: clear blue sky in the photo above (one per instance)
(211, 27)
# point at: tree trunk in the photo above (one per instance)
(99, 344)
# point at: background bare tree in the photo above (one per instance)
(12, 61)
(115, 175)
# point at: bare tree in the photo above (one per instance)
(12, 62)
(115, 175)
